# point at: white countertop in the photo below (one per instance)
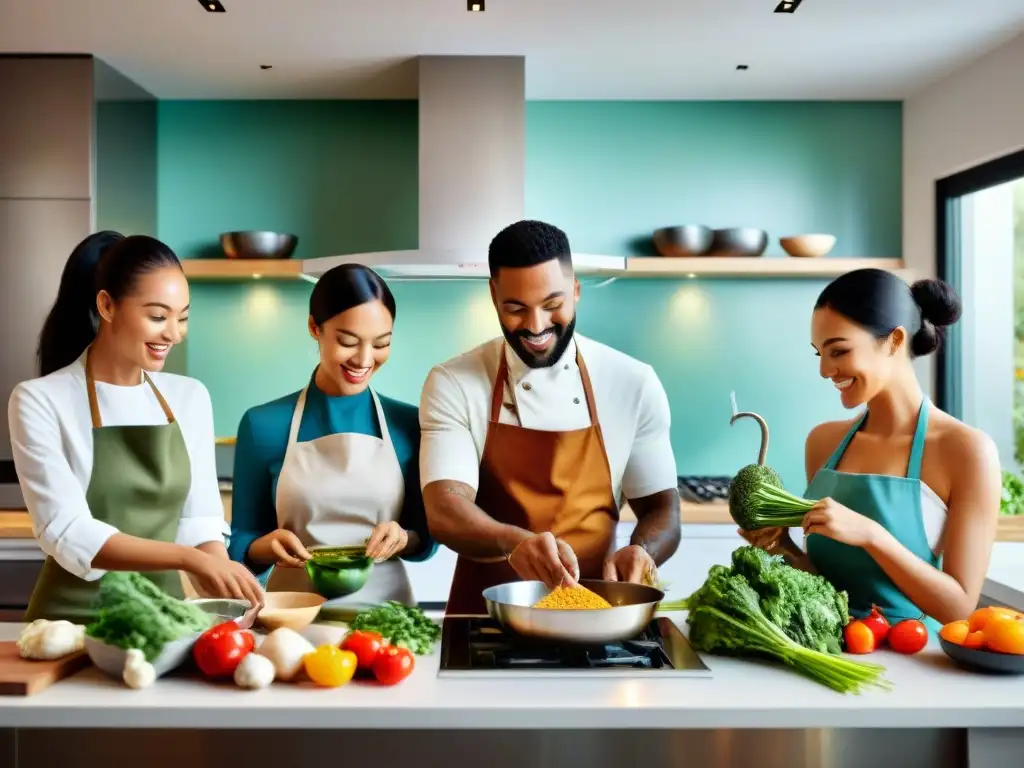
(929, 692)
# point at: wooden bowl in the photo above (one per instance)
(807, 246)
(294, 610)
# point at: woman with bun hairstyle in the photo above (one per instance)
(115, 458)
(908, 495)
(334, 464)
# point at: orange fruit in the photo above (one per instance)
(975, 640)
(955, 631)
(981, 617)
(1005, 636)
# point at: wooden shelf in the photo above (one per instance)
(225, 441)
(758, 266)
(242, 269)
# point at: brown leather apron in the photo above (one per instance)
(541, 481)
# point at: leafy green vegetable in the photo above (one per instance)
(135, 613)
(1012, 501)
(400, 624)
(803, 605)
(757, 608)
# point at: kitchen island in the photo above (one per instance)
(936, 716)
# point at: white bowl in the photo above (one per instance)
(111, 658)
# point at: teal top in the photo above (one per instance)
(894, 503)
(260, 448)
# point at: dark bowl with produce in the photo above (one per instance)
(338, 571)
(982, 660)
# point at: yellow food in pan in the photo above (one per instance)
(572, 599)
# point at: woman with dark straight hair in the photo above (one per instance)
(334, 464)
(114, 457)
(909, 495)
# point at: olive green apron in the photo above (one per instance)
(140, 479)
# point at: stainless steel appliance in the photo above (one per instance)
(477, 646)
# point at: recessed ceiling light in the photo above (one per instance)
(213, 6)
(788, 6)
(742, 67)
(266, 66)
(475, 6)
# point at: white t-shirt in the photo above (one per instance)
(631, 406)
(51, 440)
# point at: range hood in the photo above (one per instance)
(472, 152)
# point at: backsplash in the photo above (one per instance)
(342, 175)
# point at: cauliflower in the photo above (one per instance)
(138, 673)
(45, 640)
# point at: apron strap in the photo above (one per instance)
(837, 454)
(94, 405)
(498, 392)
(385, 434)
(917, 446)
(300, 406)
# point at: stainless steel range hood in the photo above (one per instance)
(472, 148)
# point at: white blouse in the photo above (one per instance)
(51, 440)
(631, 405)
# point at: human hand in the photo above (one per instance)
(631, 563)
(831, 519)
(220, 577)
(542, 557)
(387, 540)
(281, 547)
(768, 539)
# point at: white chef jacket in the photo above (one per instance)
(631, 405)
(51, 442)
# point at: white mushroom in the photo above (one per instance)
(255, 672)
(138, 673)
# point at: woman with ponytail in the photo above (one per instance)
(909, 496)
(115, 458)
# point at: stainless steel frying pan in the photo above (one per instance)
(633, 608)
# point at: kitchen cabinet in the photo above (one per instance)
(46, 134)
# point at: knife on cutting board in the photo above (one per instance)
(24, 677)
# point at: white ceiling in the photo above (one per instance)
(575, 49)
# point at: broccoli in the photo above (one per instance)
(756, 496)
(135, 613)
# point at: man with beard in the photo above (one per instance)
(530, 441)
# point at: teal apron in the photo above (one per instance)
(894, 503)
(140, 479)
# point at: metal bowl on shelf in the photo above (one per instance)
(633, 608)
(683, 241)
(739, 241)
(258, 244)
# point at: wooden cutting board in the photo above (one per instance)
(24, 677)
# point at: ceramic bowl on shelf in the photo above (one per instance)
(739, 241)
(258, 244)
(808, 246)
(682, 241)
(980, 660)
(294, 610)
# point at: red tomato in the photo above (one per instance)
(878, 625)
(908, 636)
(859, 637)
(392, 664)
(221, 648)
(364, 645)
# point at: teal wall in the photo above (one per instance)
(343, 176)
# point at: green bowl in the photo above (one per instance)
(338, 577)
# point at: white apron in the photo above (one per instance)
(333, 491)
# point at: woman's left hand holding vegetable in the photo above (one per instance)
(831, 519)
(387, 540)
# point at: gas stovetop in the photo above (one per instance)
(479, 647)
(704, 488)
